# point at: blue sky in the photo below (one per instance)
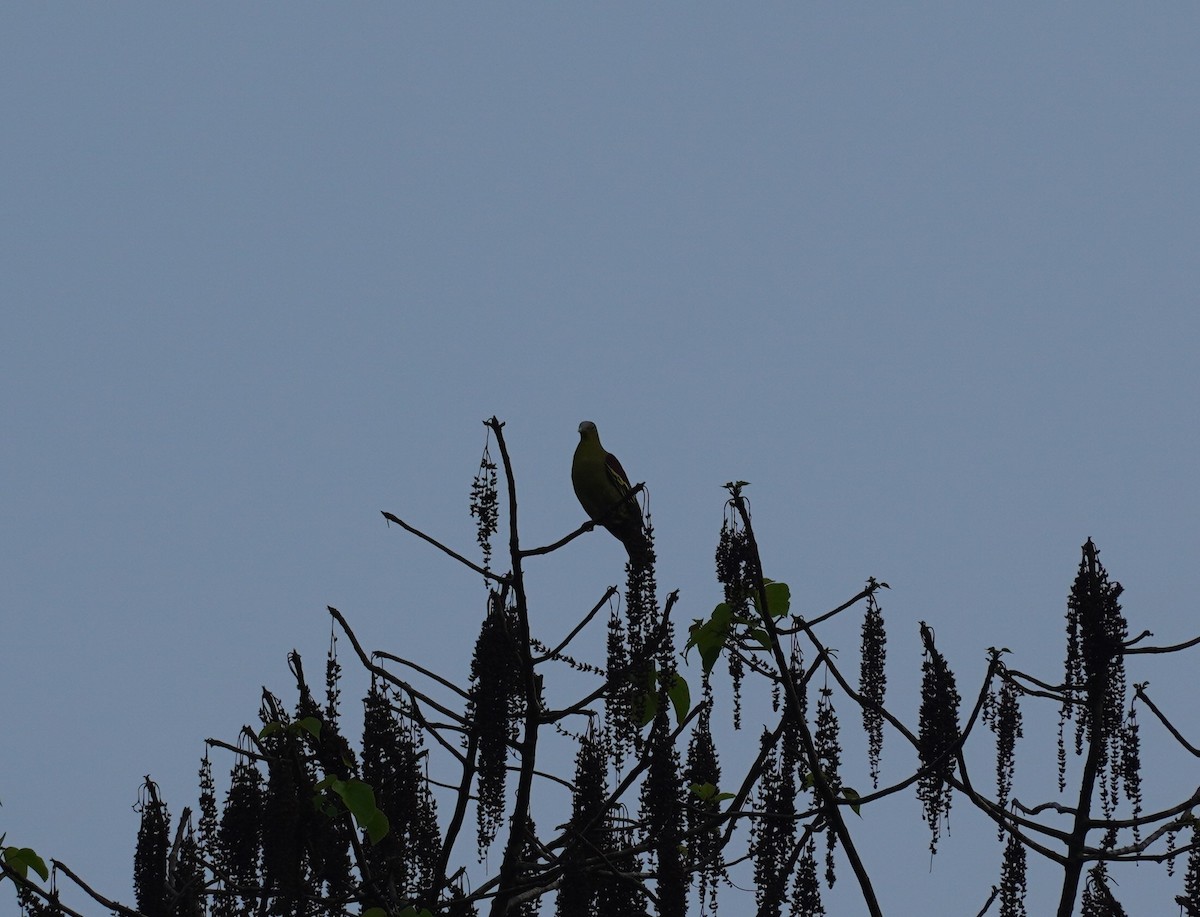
(927, 277)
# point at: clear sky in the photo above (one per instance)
(926, 276)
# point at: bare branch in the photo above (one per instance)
(1133, 651)
(444, 682)
(385, 674)
(612, 590)
(95, 895)
(487, 574)
(1145, 698)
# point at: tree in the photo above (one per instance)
(657, 823)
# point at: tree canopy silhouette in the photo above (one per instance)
(313, 823)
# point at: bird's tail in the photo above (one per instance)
(640, 546)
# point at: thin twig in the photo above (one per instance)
(217, 743)
(1145, 698)
(1133, 651)
(33, 888)
(434, 676)
(866, 593)
(95, 895)
(385, 674)
(586, 527)
(499, 578)
(612, 590)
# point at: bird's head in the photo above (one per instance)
(586, 427)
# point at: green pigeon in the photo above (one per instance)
(601, 486)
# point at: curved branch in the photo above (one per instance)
(434, 676)
(35, 889)
(1142, 696)
(849, 603)
(383, 673)
(583, 529)
(114, 906)
(487, 574)
(1133, 651)
(612, 590)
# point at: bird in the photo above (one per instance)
(602, 488)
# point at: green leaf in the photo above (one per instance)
(376, 826)
(648, 699)
(709, 636)
(681, 697)
(763, 638)
(779, 598)
(359, 798)
(311, 725)
(327, 806)
(708, 792)
(648, 709)
(270, 729)
(678, 691)
(23, 859)
(848, 794)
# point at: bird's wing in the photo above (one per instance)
(616, 473)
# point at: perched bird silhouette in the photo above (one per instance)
(602, 486)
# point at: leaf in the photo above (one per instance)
(779, 598)
(849, 794)
(763, 638)
(311, 725)
(681, 697)
(377, 826)
(648, 708)
(359, 798)
(270, 729)
(678, 691)
(708, 792)
(23, 859)
(326, 806)
(709, 636)
(648, 699)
